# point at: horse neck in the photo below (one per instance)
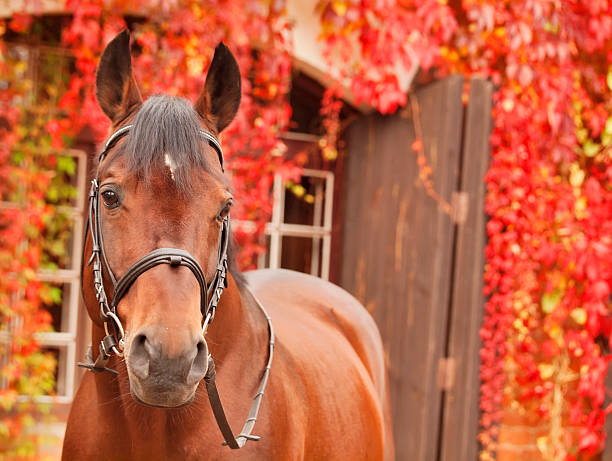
(239, 330)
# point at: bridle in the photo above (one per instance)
(114, 341)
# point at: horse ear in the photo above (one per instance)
(220, 98)
(116, 88)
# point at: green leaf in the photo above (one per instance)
(52, 194)
(56, 295)
(550, 301)
(590, 148)
(66, 164)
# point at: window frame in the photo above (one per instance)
(320, 231)
(66, 340)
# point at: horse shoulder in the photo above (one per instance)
(330, 352)
(301, 296)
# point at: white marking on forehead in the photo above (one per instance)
(169, 161)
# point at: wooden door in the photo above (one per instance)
(418, 268)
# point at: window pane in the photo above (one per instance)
(58, 305)
(54, 70)
(264, 258)
(63, 189)
(59, 381)
(300, 201)
(40, 369)
(296, 254)
(58, 243)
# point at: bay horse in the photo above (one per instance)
(155, 266)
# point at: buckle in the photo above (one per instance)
(118, 328)
(107, 345)
(103, 313)
(94, 188)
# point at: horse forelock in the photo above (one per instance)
(165, 136)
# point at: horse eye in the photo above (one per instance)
(110, 199)
(224, 212)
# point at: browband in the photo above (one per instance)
(121, 132)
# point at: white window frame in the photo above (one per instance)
(66, 340)
(320, 231)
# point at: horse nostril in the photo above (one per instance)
(200, 363)
(139, 357)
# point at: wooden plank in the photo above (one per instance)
(460, 412)
(397, 248)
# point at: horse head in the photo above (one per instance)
(160, 185)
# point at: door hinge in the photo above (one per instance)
(446, 373)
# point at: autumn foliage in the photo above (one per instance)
(549, 258)
(172, 50)
(28, 174)
(548, 276)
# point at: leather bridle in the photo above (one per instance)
(113, 342)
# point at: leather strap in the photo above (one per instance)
(215, 401)
(172, 256)
(121, 132)
(217, 407)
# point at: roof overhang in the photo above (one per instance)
(308, 51)
(307, 48)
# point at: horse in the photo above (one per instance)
(156, 259)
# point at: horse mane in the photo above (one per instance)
(232, 268)
(170, 126)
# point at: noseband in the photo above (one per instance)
(114, 341)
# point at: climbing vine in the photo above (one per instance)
(549, 257)
(33, 187)
(172, 49)
(548, 274)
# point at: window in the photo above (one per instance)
(66, 278)
(47, 68)
(61, 269)
(299, 234)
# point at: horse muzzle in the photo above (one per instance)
(161, 379)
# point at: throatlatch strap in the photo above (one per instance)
(217, 407)
(215, 400)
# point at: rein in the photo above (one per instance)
(114, 341)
